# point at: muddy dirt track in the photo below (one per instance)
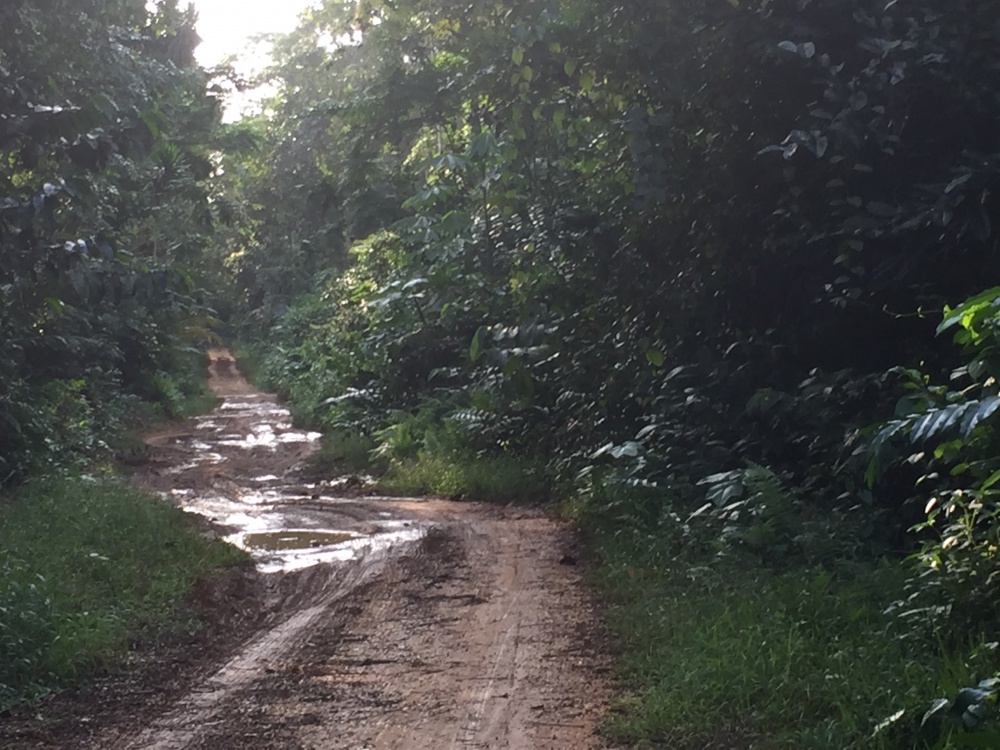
(371, 623)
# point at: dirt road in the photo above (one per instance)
(380, 623)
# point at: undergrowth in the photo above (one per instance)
(717, 649)
(184, 392)
(491, 478)
(344, 452)
(87, 568)
(251, 360)
(438, 447)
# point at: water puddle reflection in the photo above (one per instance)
(287, 560)
(291, 539)
(283, 525)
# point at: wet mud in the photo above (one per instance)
(369, 622)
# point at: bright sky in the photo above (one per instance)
(227, 25)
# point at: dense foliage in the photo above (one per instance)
(684, 262)
(703, 253)
(106, 128)
(669, 254)
(107, 136)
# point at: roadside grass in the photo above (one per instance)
(490, 478)
(718, 650)
(344, 452)
(88, 568)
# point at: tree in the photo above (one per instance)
(104, 143)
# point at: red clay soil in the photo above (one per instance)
(476, 633)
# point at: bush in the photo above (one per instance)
(344, 451)
(951, 433)
(489, 478)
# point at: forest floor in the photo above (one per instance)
(366, 622)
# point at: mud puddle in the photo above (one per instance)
(237, 467)
(274, 541)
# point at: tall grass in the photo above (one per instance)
(86, 568)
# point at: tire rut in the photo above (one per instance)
(476, 637)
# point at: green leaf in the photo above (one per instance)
(629, 449)
(888, 722)
(977, 412)
(151, 119)
(55, 304)
(931, 424)
(991, 480)
(476, 347)
(965, 312)
(655, 357)
(484, 144)
(517, 55)
(938, 706)
(105, 105)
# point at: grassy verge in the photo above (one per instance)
(497, 478)
(87, 568)
(344, 452)
(718, 650)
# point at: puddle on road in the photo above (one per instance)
(289, 539)
(205, 458)
(283, 526)
(269, 439)
(287, 560)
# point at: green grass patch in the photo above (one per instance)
(88, 567)
(344, 452)
(719, 650)
(491, 478)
